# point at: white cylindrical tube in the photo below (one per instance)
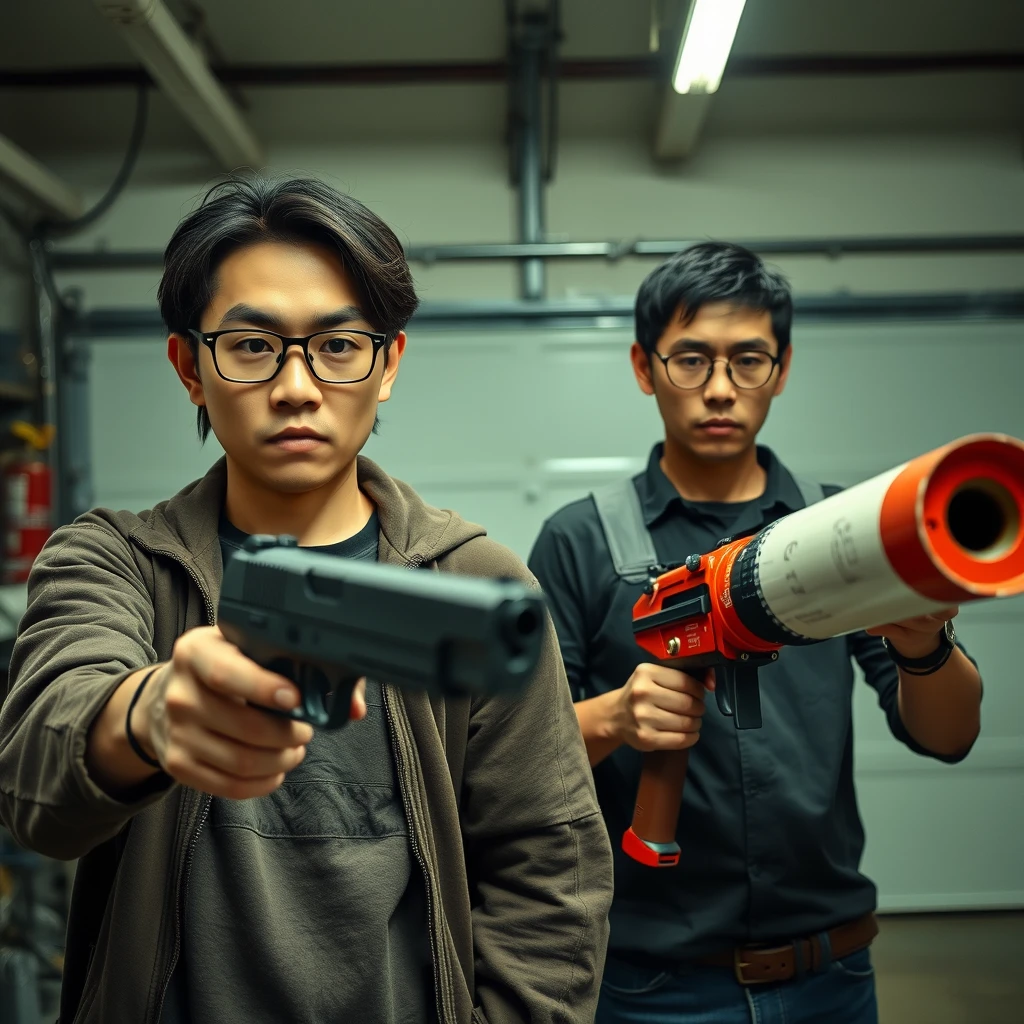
(823, 571)
(934, 532)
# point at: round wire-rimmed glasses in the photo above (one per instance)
(747, 370)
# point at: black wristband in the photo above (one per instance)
(934, 667)
(930, 662)
(132, 741)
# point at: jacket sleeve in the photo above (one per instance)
(89, 625)
(537, 852)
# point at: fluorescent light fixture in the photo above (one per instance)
(180, 69)
(704, 49)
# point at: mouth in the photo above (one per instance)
(297, 439)
(719, 427)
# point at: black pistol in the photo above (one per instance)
(324, 622)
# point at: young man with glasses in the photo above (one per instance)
(236, 868)
(767, 918)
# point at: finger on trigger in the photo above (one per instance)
(239, 720)
(231, 674)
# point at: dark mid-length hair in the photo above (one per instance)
(711, 272)
(242, 211)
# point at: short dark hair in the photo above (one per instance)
(244, 210)
(711, 272)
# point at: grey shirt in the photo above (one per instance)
(333, 843)
(770, 833)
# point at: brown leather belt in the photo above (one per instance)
(757, 965)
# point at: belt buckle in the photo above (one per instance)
(738, 963)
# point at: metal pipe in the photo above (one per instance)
(853, 246)
(598, 69)
(617, 313)
(148, 259)
(529, 127)
(46, 308)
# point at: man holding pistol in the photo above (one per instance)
(234, 866)
(767, 918)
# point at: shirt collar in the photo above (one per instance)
(658, 495)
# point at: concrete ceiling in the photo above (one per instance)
(54, 34)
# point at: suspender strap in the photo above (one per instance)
(810, 490)
(629, 540)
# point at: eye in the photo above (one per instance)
(337, 345)
(689, 360)
(253, 346)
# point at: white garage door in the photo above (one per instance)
(507, 425)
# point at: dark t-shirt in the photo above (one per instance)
(349, 903)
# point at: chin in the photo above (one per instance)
(718, 450)
(299, 479)
(287, 477)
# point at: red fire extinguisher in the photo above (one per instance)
(27, 502)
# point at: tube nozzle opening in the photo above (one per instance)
(984, 519)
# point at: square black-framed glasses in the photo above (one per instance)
(210, 341)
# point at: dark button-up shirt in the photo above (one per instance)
(769, 829)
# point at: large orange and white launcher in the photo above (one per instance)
(943, 529)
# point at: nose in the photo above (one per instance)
(719, 388)
(295, 384)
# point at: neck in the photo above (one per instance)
(327, 515)
(740, 478)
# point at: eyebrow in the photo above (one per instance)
(242, 312)
(746, 345)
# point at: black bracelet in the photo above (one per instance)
(928, 671)
(132, 741)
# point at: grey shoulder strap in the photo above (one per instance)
(629, 540)
(810, 490)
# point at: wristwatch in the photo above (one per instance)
(930, 662)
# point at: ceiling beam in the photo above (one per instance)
(41, 188)
(181, 71)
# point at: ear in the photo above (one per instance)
(180, 355)
(394, 357)
(787, 358)
(641, 368)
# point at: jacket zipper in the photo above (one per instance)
(418, 854)
(181, 895)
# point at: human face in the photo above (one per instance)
(718, 421)
(292, 434)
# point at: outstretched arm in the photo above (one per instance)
(942, 711)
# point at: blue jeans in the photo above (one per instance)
(842, 993)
